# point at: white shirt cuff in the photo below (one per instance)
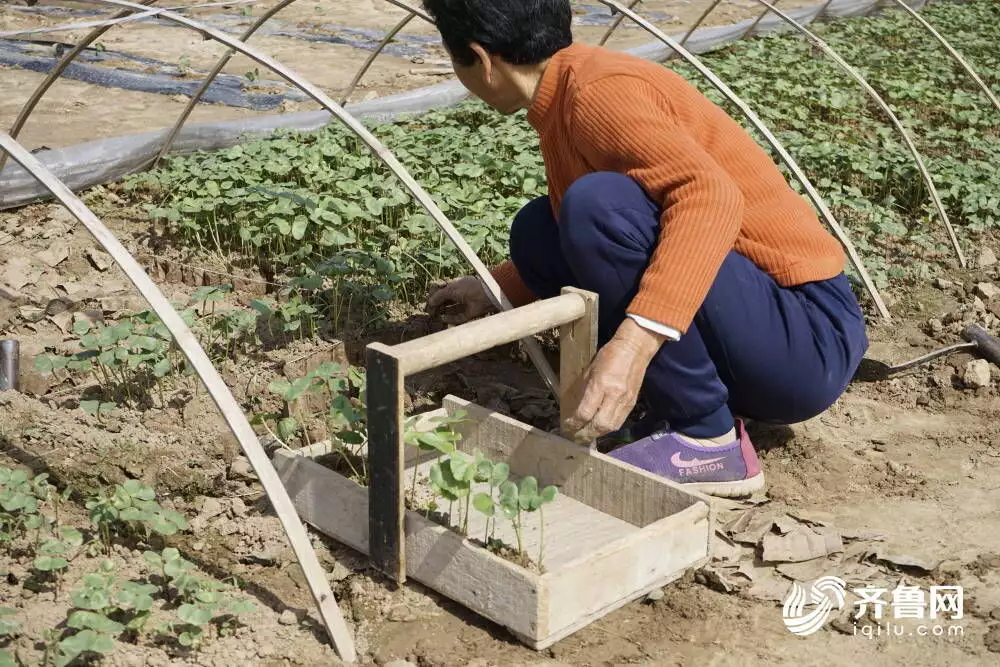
(656, 327)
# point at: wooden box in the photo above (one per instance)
(613, 534)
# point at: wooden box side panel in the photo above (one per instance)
(589, 476)
(435, 556)
(625, 569)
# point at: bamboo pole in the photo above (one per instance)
(873, 94)
(954, 54)
(786, 157)
(223, 397)
(493, 290)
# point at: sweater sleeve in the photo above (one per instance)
(513, 287)
(622, 124)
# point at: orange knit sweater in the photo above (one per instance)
(599, 110)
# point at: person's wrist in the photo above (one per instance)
(643, 342)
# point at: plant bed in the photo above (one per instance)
(610, 523)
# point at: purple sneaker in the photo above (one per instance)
(728, 471)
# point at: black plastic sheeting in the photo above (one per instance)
(165, 79)
(105, 160)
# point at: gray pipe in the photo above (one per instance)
(10, 365)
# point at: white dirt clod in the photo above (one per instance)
(977, 374)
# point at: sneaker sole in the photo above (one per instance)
(738, 489)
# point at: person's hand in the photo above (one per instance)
(459, 301)
(608, 391)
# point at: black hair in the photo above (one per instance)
(522, 32)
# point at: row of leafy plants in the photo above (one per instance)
(318, 209)
(173, 603)
(132, 358)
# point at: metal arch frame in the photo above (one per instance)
(56, 71)
(375, 54)
(617, 22)
(951, 50)
(493, 290)
(210, 79)
(786, 157)
(873, 94)
(168, 142)
(753, 26)
(701, 19)
(223, 397)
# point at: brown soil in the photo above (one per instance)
(913, 459)
(74, 112)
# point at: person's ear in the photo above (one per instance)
(485, 60)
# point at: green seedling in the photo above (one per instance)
(496, 474)
(443, 439)
(202, 600)
(297, 317)
(128, 506)
(126, 358)
(525, 497)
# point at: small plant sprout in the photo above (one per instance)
(201, 600)
(129, 505)
(496, 474)
(442, 438)
(515, 499)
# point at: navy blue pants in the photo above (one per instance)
(756, 349)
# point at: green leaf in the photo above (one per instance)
(458, 467)
(237, 607)
(432, 440)
(287, 428)
(484, 504)
(50, 563)
(279, 387)
(528, 493)
(80, 620)
(87, 641)
(91, 598)
(8, 625)
(548, 494)
(298, 388)
(71, 536)
(501, 471)
(508, 495)
(162, 368)
(195, 614)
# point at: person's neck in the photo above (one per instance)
(526, 80)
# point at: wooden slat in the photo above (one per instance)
(387, 546)
(624, 567)
(614, 488)
(473, 337)
(577, 347)
(435, 556)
